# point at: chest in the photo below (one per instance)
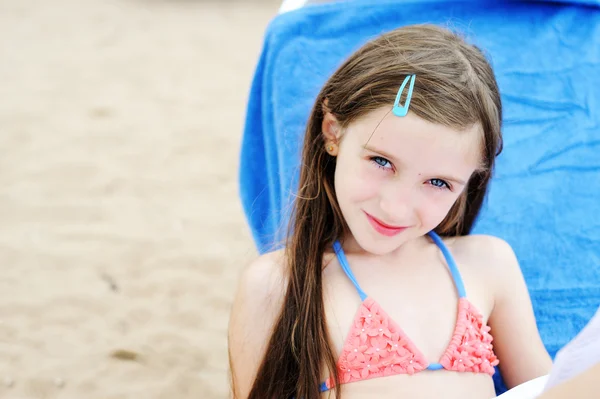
(421, 300)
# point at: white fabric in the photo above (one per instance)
(582, 353)
(528, 390)
(291, 5)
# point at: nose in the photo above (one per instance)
(397, 201)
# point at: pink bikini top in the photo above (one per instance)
(377, 347)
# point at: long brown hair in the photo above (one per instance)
(455, 87)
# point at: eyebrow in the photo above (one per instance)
(397, 161)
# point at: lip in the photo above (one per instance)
(383, 228)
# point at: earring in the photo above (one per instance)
(331, 149)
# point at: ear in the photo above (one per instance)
(330, 127)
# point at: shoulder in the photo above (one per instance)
(264, 278)
(261, 287)
(489, 250)
(490, 256)
(256, 306)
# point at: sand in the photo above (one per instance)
(122, 234)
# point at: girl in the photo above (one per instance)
(380, 291)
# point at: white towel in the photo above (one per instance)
(579, 355)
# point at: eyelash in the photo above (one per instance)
(374, 160)
(445, 184)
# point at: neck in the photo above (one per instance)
(351, 246)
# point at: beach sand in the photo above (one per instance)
(122, 234)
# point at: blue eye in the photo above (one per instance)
(439, 183)
(381, 162)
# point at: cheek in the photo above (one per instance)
(356, 181)
(435, 208)
(365, 189)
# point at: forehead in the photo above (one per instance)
(415, 140)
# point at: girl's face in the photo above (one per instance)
(398, 180)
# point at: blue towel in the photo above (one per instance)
(545, 196)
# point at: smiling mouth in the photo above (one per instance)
(384, 228)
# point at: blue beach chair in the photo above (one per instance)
(545, 196)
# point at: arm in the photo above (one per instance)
(517, 341)
(257, 304)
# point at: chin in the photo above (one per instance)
(380, 245)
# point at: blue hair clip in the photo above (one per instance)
(399, 110)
